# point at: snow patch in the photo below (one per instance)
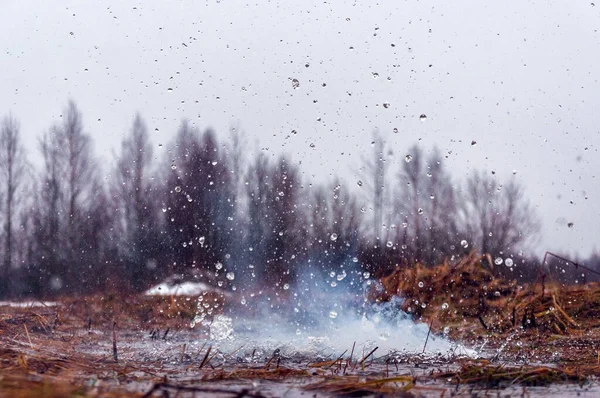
(168, 288)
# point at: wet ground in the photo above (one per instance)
(61, 350)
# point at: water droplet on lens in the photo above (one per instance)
(445, 306)
(408, 158)
(177, 188)
(498, 260)
(333, 314)
(420, 211)
(464, 243)
(389, 244)
(333, 237)
(286, 286)
(421, 284)
(219, 266)
(423, 117)
(230, 276)
(359, 183)
(295, 83)
(508, 262)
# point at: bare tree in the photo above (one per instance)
(198, 200)
(13, 166)
(134, 197)
(277, 233)
(69, 185)
(426, 207)
(334, 226)
(497, 218)
(375, 169)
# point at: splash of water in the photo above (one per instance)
(317, 316)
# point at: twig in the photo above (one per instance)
(367, 356)
(427, 338)
(182, 352)
(336, 361)
(115, 357)
(349, 362)
(28, 338)
(205, 360)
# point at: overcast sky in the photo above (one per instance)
(519, 78)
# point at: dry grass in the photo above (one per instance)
(42, 352)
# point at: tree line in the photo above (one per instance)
(210, 207)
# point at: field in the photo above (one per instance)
(523, 339)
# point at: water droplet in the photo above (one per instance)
(173, 167)
(570, 225)
(375, 75)
(498, 260)
(366, 275)
(298, 332)
(164, 209)
(243, 301)
(170, 89)
(333, 237)
(295, 83)
(359, 183)
(177, 188)
(473, 143)
(423, 305)
(464, 243)
(420, 211)
(445, 306)
(431, 197)
(389, 244)
(230, 276)
(201, 240)
(508, 262)
(395, 130)
(408, 158)
(341, 276)
(363, 209)
(333, 284)
(421, 284)
(333, 314)
(386, 105)
(219, 266)
(423, 117)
